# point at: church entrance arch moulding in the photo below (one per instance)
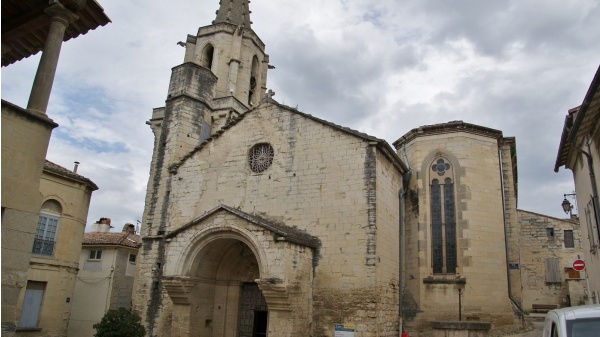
(228, 276)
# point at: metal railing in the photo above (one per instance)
(43, 247)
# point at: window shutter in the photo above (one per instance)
(569, 242)
(32, 303)
(552, 270)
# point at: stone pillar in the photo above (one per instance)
(178, 288)
(44, 77)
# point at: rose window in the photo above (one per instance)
(261, 157)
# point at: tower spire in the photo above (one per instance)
(236, 12)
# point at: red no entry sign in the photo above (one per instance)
(578, 265)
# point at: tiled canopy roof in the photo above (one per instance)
(25, 25)
(111, 239)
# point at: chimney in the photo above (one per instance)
(129, 228)
(76, 166)
(104, 225)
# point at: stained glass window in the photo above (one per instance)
(436, 227)
(443, 219)
(450, 223)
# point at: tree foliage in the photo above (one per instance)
(120, 323)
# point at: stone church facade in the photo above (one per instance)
(261, 219)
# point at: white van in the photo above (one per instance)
(582, 321)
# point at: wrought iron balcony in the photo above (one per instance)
(43, 247)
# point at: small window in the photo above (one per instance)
(550, 232)
(95, 255)
(132, 258)
(569, 241)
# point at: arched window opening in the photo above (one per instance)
(443, 218)
(207, 56)
(47, 228)
(253, 80)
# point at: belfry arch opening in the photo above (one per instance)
(207, 56)
(227, 301)
(253, 85)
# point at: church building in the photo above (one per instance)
(263, 220)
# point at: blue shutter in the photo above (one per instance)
(32, 303)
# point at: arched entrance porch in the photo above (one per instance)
(228, 273)
(224, 298)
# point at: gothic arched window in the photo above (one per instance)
(443, 218)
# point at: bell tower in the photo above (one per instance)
(224, 74)
(234, 53)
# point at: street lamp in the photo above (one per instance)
(566, 205)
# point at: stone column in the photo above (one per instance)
(42, 84)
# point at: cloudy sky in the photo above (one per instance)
(382, 67)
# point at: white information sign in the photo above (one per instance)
(344, 330)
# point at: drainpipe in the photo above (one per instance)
(510, 295)
(401, 240)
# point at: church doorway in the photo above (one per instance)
(227, 298)
(253, 315)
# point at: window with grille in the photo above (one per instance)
(569, 241)
(47, 228)
(261, 157)
(45, 235)
(443, 218)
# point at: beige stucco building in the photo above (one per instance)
(29, 27)
(105, 280)
(579, 151)
(44, 304)
(264, 220)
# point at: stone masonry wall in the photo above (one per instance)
(480, 234)
(542, 237)
(389, 183)
(316, 183)
(190, 88)
(122, 284)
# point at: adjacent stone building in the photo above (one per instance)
(548, 247)
(261, 219)
(106, 272)
(44, 304)
(29, 27)
(579, 151)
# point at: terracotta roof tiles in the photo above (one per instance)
(111, 239)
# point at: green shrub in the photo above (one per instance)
(120, 323)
